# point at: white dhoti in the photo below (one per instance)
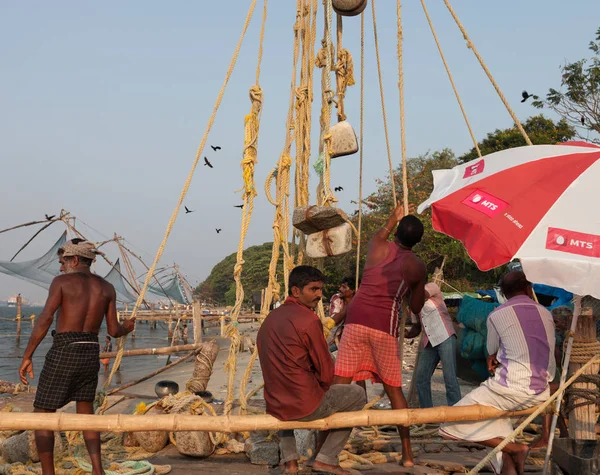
(490, 393)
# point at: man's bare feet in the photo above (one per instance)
(519, 456)
(321, 467)
(407, 461)
(290, 467)
(540, 443)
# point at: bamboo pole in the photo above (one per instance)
(197, 317)
(166, 350)
(151, 375)
(62, 421)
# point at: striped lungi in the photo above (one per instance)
(366, 353)
(70, 372)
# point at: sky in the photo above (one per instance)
(103, 105)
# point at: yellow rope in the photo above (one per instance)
(472, 47)
(383, 113)
(249, 160)
(362, 134)
(532, 416)
(159, 252)
(439, 47)
(344, 71)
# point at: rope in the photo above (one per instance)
(579, 397)
(362, 134)
(159, 253)
(533, 415)
(344, 71)
(385, 127)
(439, 47)
(472, 47)
(583, 349)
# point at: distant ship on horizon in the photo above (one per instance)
(12, 301)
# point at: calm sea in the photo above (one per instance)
(11, 349)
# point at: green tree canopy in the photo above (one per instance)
(540, 130)
(578, 99)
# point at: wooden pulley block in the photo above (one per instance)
(349, 7)
(313, 219)
(342, 140)
(332, 242)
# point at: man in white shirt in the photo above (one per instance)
(521, 344)
(438, 344)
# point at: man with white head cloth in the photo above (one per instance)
(70, 372)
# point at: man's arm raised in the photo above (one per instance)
(377, 245)
(41, 327)
(114, 328)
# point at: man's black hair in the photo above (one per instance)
(410, 231)
(514, 283)
(350, 281)
(301, 276)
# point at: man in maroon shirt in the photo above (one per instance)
(298, 372)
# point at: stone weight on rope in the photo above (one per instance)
(313, 219)
(332, 242)
(153, 441)
(22, 447)
(349, 7)
(341, 140)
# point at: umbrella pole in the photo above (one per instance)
(563, 378)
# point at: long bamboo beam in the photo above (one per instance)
(62, 421)
(165, 350)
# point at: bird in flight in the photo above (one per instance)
(215, 148)
(187, 210)
(353, 202)
(582, 120)
(238, 206)
(207, 163)
(525, 96)
(338, 188)
(218, 230)
(50, 218)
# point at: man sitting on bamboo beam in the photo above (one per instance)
(70, 372)
(520, 344)
(298, 372)
(369, 347)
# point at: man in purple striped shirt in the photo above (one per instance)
(520, 343)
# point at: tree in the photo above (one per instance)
(578, 100)
(540, 130)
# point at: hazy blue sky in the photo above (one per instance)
(103, 104)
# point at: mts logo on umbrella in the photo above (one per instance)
(474, 169)
(573, 242)
(485, 203)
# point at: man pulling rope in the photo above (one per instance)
(70, 372)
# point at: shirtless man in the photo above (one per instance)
(70, 372)
(369, 347)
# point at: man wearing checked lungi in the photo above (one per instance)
(70, 372)
(520, 342)
(369, 347)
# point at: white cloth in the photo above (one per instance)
(521, 335)
(490, 393)
(435, 318)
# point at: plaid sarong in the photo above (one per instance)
(368, 353)
(70, 372)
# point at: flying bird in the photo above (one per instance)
(187, 210)
(215, 148)
(207, 163)
(238, 206)
(525, 96)
(50, 218)
(338, 188)
(353, 202)
(582, 120)
(218, 230)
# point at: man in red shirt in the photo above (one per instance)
(298, 372)
(369, 347)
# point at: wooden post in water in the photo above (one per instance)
(582, 420)
(19, 313)
(197, 314)
(170, 329)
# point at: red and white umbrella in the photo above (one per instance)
(535, 203)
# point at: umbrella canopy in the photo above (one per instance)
(535, 203)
